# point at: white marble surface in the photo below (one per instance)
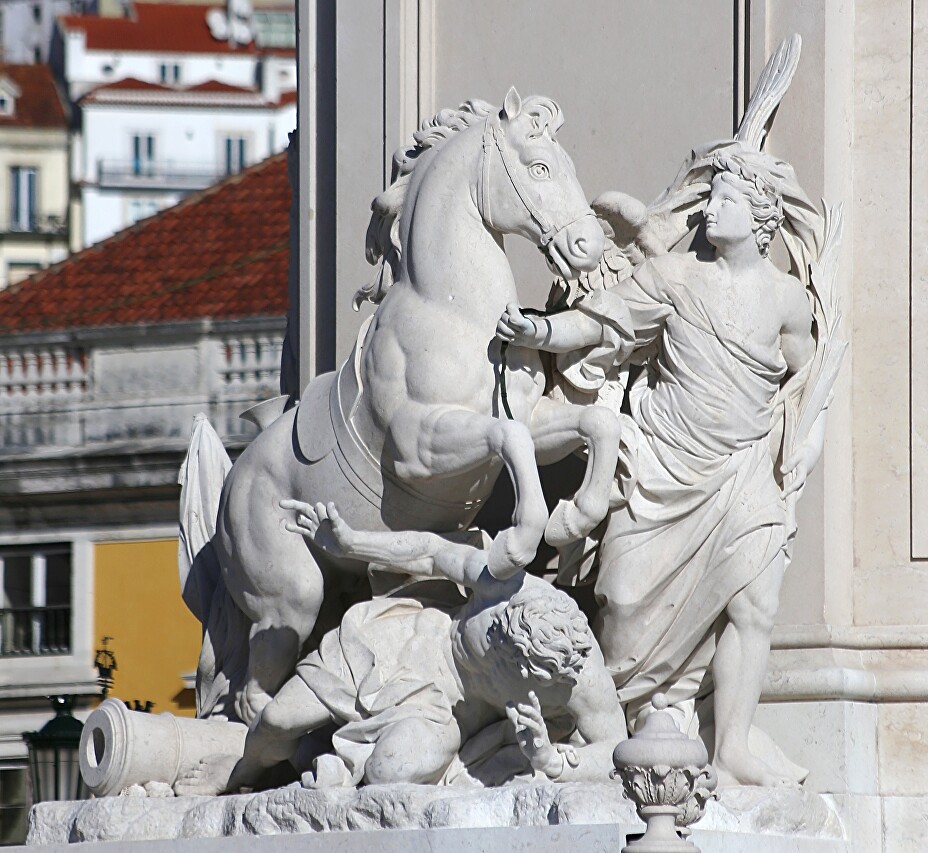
(786, 813)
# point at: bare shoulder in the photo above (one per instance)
(593, 701)
(794, 301)
(594, 691)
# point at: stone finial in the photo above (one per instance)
(668, 777)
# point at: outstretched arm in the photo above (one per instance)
(564, 332)
(416, 552)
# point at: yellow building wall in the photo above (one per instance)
(155, 638)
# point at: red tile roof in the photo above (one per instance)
(209, 93)
(159, 27)
(216, 86)
(132, 84)
(220, 254)
(39, 103)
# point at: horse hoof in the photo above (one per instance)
(566, 525)
(508, 554)
(250, 703)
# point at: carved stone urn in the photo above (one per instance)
(668, 777)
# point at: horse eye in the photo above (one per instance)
(539, 171)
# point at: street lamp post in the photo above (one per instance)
(53, 756)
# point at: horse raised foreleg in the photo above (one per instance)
(449, 441)
(557, 430)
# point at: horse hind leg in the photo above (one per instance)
(282, 621)
(557, 430)
(270, 574)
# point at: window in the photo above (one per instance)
(169, 72)
(35, 617)
(37, 12)
(14, 805)
(274, 28)
(22, 198)
(235, 152)
(141, 208)
(143, 154)
(16, 271)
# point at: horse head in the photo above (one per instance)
(528, 185)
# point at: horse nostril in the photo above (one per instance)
(580, 247)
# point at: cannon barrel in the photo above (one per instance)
(120, 747)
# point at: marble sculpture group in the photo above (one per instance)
(356, 620)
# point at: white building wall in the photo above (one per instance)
(86, 69)
(189, 154)
(184, 136)
(101, 214)
(104, 212)
(22, 34)
(46, 151)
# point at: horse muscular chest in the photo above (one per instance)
(437, 355)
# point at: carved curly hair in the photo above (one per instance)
(544, 631)
(759, 189)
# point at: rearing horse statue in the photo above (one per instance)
(408, 432)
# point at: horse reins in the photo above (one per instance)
(560, 306)
(492, 138)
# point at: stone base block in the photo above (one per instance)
(837, 741)
(412, 818)
(602, 838)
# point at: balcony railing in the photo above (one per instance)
(154, 173)
(42, 371)
(40, 224)
(35, 631)
(59, 395)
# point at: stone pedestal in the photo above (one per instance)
(531, 817)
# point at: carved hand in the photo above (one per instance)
(320, 524)
(796, 467)
(532, 737)
(517, 329)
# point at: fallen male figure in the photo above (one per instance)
(509, 684)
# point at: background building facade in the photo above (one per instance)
(34, 174)
(105, 359)
(166, 102)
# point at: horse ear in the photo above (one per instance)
(512, 106)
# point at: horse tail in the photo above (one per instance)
(201, 476)
(224, 653)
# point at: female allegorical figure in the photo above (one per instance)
(691, 567)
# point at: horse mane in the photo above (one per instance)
(382, 243)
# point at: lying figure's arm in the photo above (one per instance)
(415, 552)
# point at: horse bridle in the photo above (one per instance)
(493, 138)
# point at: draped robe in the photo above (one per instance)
(707, 516)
